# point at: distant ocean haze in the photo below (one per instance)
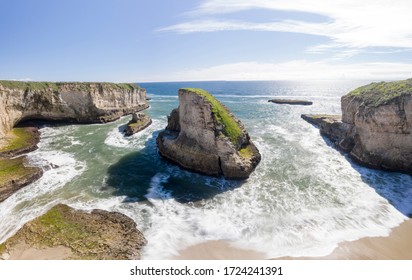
(303, 198)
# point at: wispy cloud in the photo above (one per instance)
(292, 70)
(22, 80)
(350, 23)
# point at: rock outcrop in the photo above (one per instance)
(376, 125)
(68, 102)
(291, 101)
(202, 135)
(139, 122)
(15, 174)
(79, 234)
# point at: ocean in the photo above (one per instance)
(302, 200)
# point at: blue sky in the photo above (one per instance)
(182, 40)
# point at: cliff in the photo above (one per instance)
(68, 102)
(204, 136)
(66, 233)
(376, 125)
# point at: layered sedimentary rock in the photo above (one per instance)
(68, 102)
(376, 125)
(202, 135)
(78, 234)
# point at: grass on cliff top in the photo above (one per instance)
(222, 116)
(56, 85)
(19, 138)
(381, 93)
(12, 169)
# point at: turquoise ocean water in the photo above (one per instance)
(302, 200)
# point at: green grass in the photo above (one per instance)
(376, 94)
(136, 124)
(12, 169)
(20, 138)
(231, 128)
(246, 152)
(2, 247)
(57, 229)
(55, 86)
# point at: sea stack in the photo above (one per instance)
(202, 135)
(375, 127)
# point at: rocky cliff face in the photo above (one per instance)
(202, 135)
(71, 102)
(376, 126)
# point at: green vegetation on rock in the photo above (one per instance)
(96, 235)
(13, 169)
(2, 247)
(20, 138)
(57, 228)
(377, 94)
(246, 152)
(231, 128)
(55, 86)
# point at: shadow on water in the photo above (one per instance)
(144, 174)
(395, 187)
(122, 128)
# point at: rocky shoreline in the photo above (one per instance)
(376, 126)
(63, 102)
(98, 235)
(16, 173)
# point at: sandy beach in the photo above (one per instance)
(396, 246)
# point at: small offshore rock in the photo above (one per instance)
(139, 122)
(291, 101)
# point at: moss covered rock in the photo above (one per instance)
(96, 235)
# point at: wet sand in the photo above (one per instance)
(396, 246)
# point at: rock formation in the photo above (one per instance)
(139, 122)
(202, 135)
(291, 101)
(376, 125)
(68, 102)
(76, 234)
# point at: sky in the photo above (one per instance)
(200, 40)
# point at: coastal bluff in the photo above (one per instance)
(75, 102)
(375, 128)
(202, 135)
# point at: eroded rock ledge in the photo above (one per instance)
(202, 135)
(376, 125)
(68, 102)
(139, 122)
(66, 233)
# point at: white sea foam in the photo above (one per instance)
(34, 199)
(302, 199)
